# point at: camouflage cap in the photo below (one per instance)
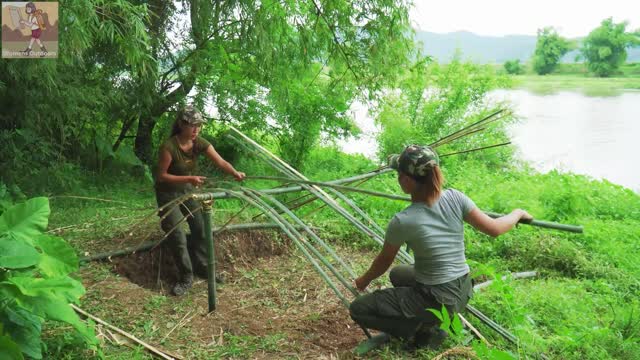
(191, 115)
(415, 160)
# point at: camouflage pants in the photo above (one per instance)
(402, 310)
(189, 253)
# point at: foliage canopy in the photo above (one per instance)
(605, 49)
(550, 47)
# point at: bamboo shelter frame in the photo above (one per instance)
(336, 273)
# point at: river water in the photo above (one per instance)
(569, 131)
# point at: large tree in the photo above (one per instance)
(292, 67)
(295, 62)
(605, 49)
(550, 47)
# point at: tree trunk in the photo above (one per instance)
(144, 144)
(123, 133)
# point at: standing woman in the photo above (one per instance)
(176, 176)
(35, 23)
(432, 226)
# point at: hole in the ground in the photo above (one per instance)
(156, 269)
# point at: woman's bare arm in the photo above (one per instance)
(495, 227)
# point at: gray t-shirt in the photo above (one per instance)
(435, 234)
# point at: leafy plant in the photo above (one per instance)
(34, 280)
(550, 47)
(605, 49)
(514, 67)
(452, 326)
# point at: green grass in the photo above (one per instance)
(577, 77)
(589, 85)
(583, 305)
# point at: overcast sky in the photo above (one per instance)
(572, 18)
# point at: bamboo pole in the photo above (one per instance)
(211, 255)
(492, 324)
(518, 275)
(151, 244)
(315, 237)
(538, 223)
(448, 138)
(299, 242)
(222, 193)
(121, 332)
(279, 164)
(287, 230)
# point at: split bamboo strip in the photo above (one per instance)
(473, 330)
(476, 149)
(473, 126)
(121, 332)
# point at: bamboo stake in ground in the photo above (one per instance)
(211, 255)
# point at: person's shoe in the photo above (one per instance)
(44, 51)
(181, 287)
(27, 51)
(431, 338)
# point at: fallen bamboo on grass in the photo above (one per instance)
(152, 349)
(518, 275)
(473, 330)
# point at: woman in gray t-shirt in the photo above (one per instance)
(432, 226)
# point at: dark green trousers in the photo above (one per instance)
(189, 254)
(402, 310)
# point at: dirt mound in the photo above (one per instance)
(156, 269)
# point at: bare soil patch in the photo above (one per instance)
(272, 304)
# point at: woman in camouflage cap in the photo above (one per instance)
(177, 175)
(432, 226)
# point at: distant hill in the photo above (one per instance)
(489, 49)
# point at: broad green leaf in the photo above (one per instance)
(456, 325)
(26, 220)
(49, 307)
(61, 311)
(436, 313)
(25, 329)
(61, 287)
(9, 350)
(58, 257)
(16, 254)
